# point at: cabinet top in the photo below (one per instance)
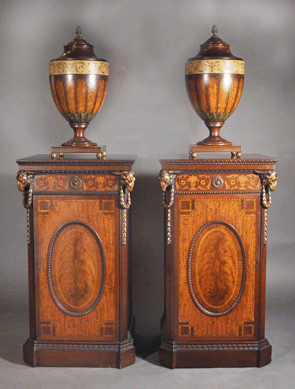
(203, 162)
(70, 162)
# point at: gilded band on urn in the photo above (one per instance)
(78, 67)
(223, 66)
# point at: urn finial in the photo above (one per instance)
(214, 30)
(78, 32)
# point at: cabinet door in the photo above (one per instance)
(76, 267)
(217, 245)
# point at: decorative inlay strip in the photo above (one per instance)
(218, 192)
(216, 171)
(205, 182)
(72, 193)
(72, 172)
(80, 182)
(229, 66)
(78, 67)
(197, 162)
(67, 162)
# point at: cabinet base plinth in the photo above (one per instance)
(118, 355)
(239, 354)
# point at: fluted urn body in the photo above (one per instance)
(214, 82)
(78, 81)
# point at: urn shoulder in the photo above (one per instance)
(78, 48)
(214, 48)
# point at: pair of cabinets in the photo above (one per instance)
(78, 231)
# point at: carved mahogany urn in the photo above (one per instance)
(78, 81)
(214, 82)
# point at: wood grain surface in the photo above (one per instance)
(76, 275)
(216, 265)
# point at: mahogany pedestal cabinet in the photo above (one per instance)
(78, 244)
(215, 261)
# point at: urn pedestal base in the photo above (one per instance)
(236, 151)
(59, 151)
(233, 354)
(117, 355)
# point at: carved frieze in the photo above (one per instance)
(211, 182)
(63, 182)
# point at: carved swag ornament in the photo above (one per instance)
(126, 187)
(167, 184)
(269, 181)
(25, 185)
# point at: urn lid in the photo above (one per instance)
(215, 48)
(78, 48)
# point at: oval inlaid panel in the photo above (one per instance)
(216, 268)
(76, 268)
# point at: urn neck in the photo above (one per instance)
(79, 139)
(214, 139)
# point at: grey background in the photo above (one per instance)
(147, 112)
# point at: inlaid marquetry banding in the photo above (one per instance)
(78, 67)
(76, 193)
(203, 181)
(217, 192)
(224, 66)
(80, 182)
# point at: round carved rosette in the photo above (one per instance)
(214, 83)
(78, 82)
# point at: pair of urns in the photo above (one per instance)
(78, 80)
